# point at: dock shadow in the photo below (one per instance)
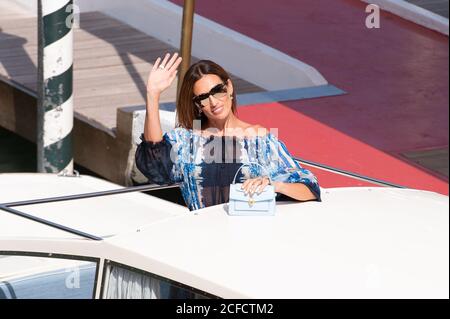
(127, 41)
(19, 82)
(14, 58)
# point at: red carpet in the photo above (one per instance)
(314, 141)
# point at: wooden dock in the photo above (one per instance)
(111, 64)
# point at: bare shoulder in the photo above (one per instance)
(256, 130)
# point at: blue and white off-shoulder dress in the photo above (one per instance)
(205, 165)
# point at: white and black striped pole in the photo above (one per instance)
(55, 86)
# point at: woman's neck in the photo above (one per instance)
(220, 127)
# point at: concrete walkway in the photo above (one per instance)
(396, 78)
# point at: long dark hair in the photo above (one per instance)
(187, 111)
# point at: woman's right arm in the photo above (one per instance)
(160, 78)
(153, 153)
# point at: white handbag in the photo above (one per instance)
(262, 204)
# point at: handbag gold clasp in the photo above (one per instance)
(251, 201)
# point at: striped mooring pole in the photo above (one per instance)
(55, 86)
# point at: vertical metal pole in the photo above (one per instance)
(55, 82)
(186, 39)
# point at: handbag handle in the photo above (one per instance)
(248, 164)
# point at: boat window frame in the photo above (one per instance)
(108, 262)
(95, 260)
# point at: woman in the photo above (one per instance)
(210, 143)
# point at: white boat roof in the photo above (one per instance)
(356, 243)
(102, 216)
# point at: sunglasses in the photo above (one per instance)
(219, 92)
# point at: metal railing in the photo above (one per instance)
(7, 206)
(347, 173)
(49, 223)
(124, 190)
